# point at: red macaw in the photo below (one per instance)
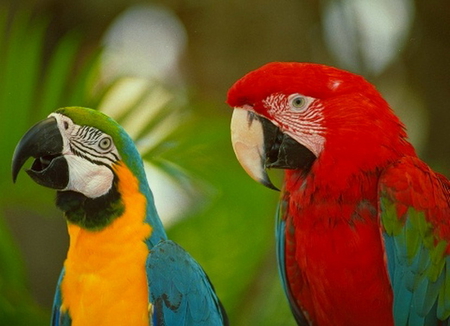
(363, 226)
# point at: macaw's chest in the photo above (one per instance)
(105, 278)
(105, 281)
(335, 265)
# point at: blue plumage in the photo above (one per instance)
(180, 290)
(417, 261)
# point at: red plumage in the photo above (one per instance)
(334, 247)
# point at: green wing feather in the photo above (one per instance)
(415, 218)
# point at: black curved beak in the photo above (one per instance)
(260, 145)
(44, 143)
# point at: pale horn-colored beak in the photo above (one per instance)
(247, 137)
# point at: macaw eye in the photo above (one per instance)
(105, 143)
(297, 102)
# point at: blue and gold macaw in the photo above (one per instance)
(120, 268)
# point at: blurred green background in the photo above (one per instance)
(162, 68)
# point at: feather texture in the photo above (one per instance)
(120, 268)
(180, 290)
(415, 212)
(363, 232)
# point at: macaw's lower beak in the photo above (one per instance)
(43, 142)
(259, 145)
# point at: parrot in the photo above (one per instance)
(363, 224)
(121, 269)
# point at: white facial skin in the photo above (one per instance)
(296, 115)
(90, 154)
(300, 117)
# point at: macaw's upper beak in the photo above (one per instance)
(43, 142)
(259, 145)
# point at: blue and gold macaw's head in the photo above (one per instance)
(80, 152)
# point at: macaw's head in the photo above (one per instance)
(301, 116)
(78, 152)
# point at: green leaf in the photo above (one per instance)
(58, 75)
(30, 87)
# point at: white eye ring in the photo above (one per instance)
(105, 143)
(298, 102)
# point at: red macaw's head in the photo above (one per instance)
(292, 115)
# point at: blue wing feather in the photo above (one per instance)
(417, 261)
(179, 289)
(59, 318)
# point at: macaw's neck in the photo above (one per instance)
(343, 178)
(91, 213)
(337, 198)
(343, 170)
(96, 287)
(96, 214)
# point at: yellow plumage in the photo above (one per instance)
(105, 281)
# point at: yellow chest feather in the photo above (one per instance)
(105, 281)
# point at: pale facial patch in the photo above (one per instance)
(92, 180)
(90, 154)
(304, 125)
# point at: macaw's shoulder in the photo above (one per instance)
(411, 184)
(180, 291)
(415, 221)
